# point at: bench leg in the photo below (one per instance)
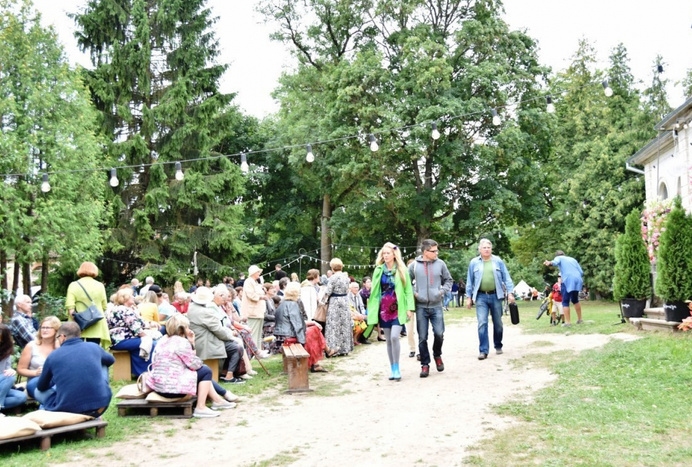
(100, 431)
(45, 443)
(298, 375)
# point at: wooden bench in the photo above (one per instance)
(157, 409)
(122, 369)
(296, 366)
(46, 435)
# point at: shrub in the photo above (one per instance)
(632, 275)
(674, 259)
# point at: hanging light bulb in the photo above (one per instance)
(550, 218)
(533, 225)
(607, 90)
(550, 107)
(114, 178)
(496, 118)
(179, 175)
(435, 134)
(243, 163)
(45, 186)
(310, 157)
(373, 143)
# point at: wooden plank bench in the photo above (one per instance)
(295, 362)
(157, 409)
(46, 435)
(122, 369)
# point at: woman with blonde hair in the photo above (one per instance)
(293, 326)
(80, 294)
(34, 355)
(177, 371)
(391, 302)
(127, 330)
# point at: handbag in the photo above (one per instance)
(142, 385)
(320, 313)
(514, 313)
(87, 318)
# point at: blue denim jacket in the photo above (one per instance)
(475, 274)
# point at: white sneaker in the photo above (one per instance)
(223, 405)
(205, 413)
(230, 397)
(252, 373)
(246, 376)
(265, 354)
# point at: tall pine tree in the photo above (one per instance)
(155, 81)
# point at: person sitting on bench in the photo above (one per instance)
(75, 376)
(292, 326)
(177, 371)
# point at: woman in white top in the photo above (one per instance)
(35, 353)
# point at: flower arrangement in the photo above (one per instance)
(653, 220)
(686, 324)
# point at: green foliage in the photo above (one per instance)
(674, 260)
(589, 191)
(357, 76)
(632, 274)
(156, 85)
(48, 126)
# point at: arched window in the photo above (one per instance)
(662, 191)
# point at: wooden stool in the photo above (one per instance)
(214, 364)
(122, 369)
(296, 365)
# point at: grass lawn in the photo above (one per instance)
(625, 404)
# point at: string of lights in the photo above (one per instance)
(435, 134)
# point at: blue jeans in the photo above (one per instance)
(485, 305)
(10, 397)
(433, 316)
(137, 364)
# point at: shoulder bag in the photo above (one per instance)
(87, 318)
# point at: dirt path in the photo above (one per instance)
(425, 422)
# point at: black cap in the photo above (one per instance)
(155, 288)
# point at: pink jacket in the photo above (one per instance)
(173, 367)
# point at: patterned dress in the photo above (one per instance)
(388, 305)
(339, 327)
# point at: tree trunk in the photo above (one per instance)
(26, 273)
(44, 282)
(15, 283)
(6, 307)
(325, 236)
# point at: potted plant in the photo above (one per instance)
(632, 275)
(674, 263)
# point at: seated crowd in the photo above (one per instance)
(230, 323)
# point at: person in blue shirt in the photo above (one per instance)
(572, 283)
(75, 376)
(488, 283)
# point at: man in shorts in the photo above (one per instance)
(572, 283)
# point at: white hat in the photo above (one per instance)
(202, 296)
(253, 270)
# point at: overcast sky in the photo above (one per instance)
(646, 31)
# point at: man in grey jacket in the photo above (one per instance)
(431, 281)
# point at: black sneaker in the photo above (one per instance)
(234, 381)
(424, 371)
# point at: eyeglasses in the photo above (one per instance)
(433, 251)
(46, 328)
